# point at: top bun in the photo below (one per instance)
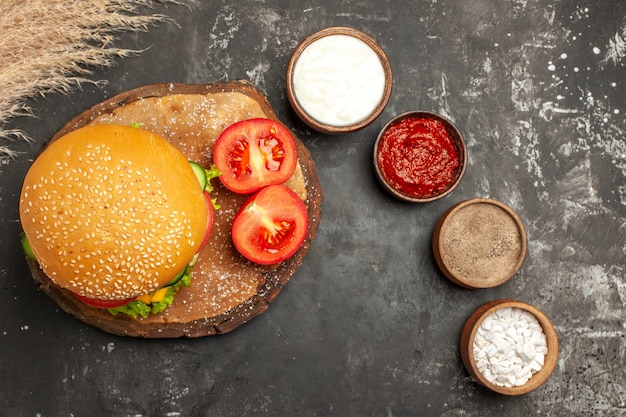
(112, 212)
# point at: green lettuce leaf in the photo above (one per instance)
(138, 308)
(211, 173)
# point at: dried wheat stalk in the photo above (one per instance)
(52, 45)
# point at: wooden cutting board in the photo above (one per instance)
(226, 290)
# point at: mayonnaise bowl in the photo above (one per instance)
(339, 80)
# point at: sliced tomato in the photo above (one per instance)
(254, 153)
(209, 220)
(103, 303)
(271, 226)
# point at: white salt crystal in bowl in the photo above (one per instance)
(509, 347)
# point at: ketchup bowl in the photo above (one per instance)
(339, 80)
(419, 156)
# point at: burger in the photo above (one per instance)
(115, 222)
(116, 215)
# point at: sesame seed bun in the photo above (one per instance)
(112, 212)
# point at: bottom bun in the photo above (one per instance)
(226, 290)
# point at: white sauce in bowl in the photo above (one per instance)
(339, 80)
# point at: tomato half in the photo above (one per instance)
(102, 303)
(209, 220)
(271, 226)
(254, 153)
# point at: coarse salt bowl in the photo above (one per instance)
(479, 243)
(509, 346)
(420, 156)
(339, 80)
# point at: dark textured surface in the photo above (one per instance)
(369, 326)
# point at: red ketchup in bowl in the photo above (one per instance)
(417, 156)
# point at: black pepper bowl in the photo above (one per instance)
(459, 145)
(479, 243)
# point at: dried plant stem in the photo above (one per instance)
(52, 45)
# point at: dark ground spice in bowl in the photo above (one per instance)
(479, 243)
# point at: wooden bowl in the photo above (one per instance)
(479, 243)
(470, 330)
(413, 196)
(303, 90)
